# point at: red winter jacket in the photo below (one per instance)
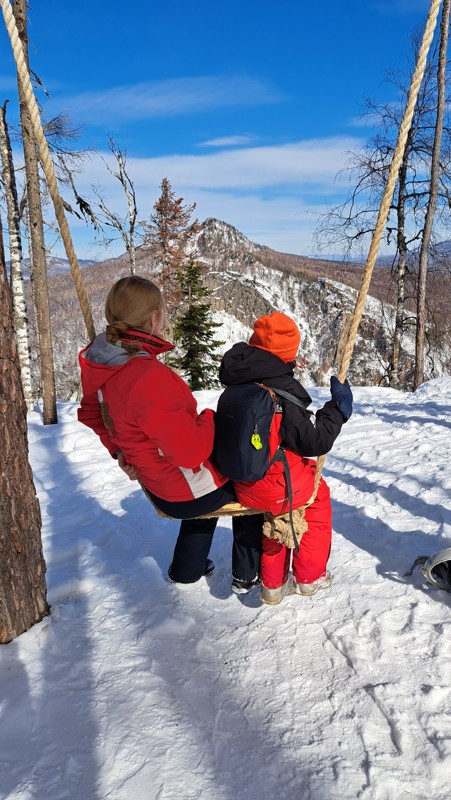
(143, 408)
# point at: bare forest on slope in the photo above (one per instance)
(222, 248)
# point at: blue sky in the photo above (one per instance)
(249, 108)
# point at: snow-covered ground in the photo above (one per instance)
(137, 689)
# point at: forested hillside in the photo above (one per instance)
(248, 280)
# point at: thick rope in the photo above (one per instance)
(47, 163)
(384, 208)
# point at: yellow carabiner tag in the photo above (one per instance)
(256, 441)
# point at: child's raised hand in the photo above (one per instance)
(341, 393)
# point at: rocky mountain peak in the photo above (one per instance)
(217, 237)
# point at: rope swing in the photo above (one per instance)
(47, 163)
(233, 509)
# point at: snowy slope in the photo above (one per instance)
(137, 689)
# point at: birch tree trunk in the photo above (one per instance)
(401, 276)
(433, 195)
(15, 252)
(38, 261)
(22, 567)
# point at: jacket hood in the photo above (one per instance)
(100, 360)
(100, 351)
(244, 363)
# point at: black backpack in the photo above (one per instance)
(242, 424)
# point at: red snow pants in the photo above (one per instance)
(314, 547)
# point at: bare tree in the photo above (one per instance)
(126, 227)
(15, 251)
(351, 223)
(37, 240)
(22, 567)
(433, 197)
(60, 134)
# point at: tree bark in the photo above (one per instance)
(38, 261)
(129, 192)
(401, 272)
(22, 567)
(433, 195)
(15, 252)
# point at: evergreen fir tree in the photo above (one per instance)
(194, 331)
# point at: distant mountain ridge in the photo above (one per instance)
(248, 280)
(55, 265)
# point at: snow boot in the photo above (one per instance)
(272, 597)
(209, 567)
(307, 589)
(243, 587)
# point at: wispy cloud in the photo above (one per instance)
(269, 193)
(283, 222)
(169, 98)
(229, 141)
(311, 163)
(373, 120)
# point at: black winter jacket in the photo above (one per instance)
(245, 364)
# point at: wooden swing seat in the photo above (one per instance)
(232, 509)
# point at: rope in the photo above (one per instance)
(384, 208)
(47, 163)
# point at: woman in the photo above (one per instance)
(146, 416)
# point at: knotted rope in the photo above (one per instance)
(47, 163)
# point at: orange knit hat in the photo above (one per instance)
(278, 334)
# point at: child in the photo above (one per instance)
(269, 358)
(146, 416)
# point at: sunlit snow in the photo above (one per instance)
(137, 689)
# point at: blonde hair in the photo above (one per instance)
(129, 304)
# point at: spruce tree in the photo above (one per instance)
(169, 233)
(194, 330)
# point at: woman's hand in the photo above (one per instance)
(129, 469)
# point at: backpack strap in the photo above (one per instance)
(287, 396)
(280, 455)
(282, 393)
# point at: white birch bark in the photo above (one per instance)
(39, 270)
(433, 195)
(15, 252)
